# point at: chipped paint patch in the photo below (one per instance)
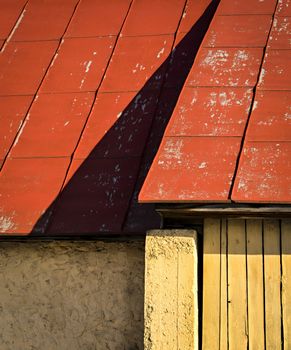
(7, 224)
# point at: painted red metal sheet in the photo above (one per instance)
(246, 7)
(44, 20)
(264, 173)
(233, 67)
(280, 34)
(150, 17)
(86, 96)
(264, 167)
(192, 14)
(28, 187)
(23, 66)
(10, 13)
(208, 111)
(97, 18)
(276, 71)
(81, 89)
(117, 125)
(284, 8)
(96, 196)
(271, 117)
(52, 128)
(228, 96)
(238, 31)
(79, 65)
(12, 111)
(192, 169)
(135, 59)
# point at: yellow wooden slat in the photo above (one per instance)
(286, 281)
(237, 289)
(255, 284)
(272, 283)
(211, 284)
(223, 288)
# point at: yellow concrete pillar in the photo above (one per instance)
(171, 302)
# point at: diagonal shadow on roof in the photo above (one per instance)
(100, 196)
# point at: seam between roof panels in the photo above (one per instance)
(23, 123)
(96, 37)
(66, 157)
(19, 19)
(251, 106)
(201, 136)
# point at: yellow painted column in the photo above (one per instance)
(171, 303)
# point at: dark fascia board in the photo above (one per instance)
(184, 211)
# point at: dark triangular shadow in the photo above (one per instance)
(101, 195)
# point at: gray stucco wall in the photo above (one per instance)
(68, 295)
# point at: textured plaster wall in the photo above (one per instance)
(66, 295)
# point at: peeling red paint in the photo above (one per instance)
(238, 31)
(52, 127)
(78, 65)
(192, 169)
(27, 188)
(264, 173)
(215, 102)
(271, 117)
(246, 7)
(130, 69)
(45, 20)
(12, 111)
(10, 12)
(86, 96)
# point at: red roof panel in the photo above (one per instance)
(280, 34)
(10, 13)
(246, 7)
(79, 65)
(27, 188)
(276, 71)
(52, 127)
(284, 8)
(23, 66)
(151, 17)
(214, 111)
(44, 20)
(118, 123)
(134, 60)
(192, 169)
(98, 18)
(264, 168)
(192, 14)
(238, 31)
(96, 196)
(271, 117)
(182, 56)
(12, 111)
(226, 67)
(264, 173)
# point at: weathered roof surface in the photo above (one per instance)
(229, 138)
(86, 90)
